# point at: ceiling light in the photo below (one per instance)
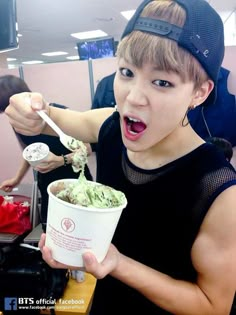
(12, 66)
(89, 34)
(32, 62)
(55, 53)
(73, 57)
(11, 59)
(128, 14)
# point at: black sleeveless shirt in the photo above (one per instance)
(166, 207)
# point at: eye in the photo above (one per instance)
(126, 72)
(162, 83)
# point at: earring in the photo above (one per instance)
(184, 124)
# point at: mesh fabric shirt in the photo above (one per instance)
(166, 207)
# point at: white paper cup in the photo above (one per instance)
(73, 229)
(36, 153)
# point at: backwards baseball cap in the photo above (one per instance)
(202, 34)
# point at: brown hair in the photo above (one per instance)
(9, 85)
(139, 47)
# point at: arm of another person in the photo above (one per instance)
(213, 256)
(83, 126)
(8, 184)
(54, 161)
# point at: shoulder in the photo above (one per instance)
(110, 128)
(214, 250)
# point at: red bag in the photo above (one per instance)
(14, 217)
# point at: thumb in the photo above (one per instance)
(37, 102)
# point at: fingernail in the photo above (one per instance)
(37, 106)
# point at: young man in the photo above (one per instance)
(174, 250)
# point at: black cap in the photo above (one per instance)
(202, 34)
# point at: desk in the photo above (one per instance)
(77, 298)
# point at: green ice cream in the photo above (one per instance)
(88, 194)
(80, 158)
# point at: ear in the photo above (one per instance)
(201, 94)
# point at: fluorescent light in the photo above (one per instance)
(73, 57)
(12, 66)
(128, 14)
(55, 53)
(11, 59)
(32, 62)
(89, 34)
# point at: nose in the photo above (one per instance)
(137, 95)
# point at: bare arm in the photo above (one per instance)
(54, 161)
(83, 126)
(8, 184)
(214, 258)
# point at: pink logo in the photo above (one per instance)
(68, 225)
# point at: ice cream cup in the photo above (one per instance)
(36, 153)
(73, 229)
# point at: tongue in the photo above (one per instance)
(138, 127)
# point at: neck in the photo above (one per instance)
(168, 150)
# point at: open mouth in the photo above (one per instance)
(134, 126)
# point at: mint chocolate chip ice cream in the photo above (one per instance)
(86, 193)
(90, 194)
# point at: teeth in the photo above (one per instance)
(133, 119)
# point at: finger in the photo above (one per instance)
(42, 171)
(42, 241)
(40, 168)
(47, 256)
(34, 100)
(92, 266)
(24, 125)
(37, 102)
(6, 188)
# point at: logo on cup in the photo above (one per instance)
(67, 225)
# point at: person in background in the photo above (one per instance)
(223, 145)
(59, 162)
(104, 94)
(217, 119)
(174, 249)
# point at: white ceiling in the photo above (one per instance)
(46, 25)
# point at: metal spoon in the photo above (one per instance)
(69, 142)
